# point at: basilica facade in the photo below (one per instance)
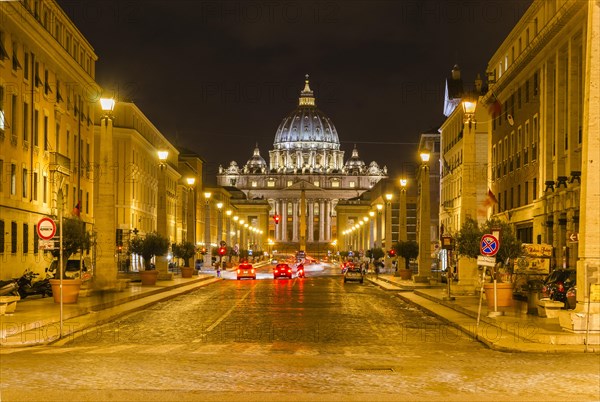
(305, 178)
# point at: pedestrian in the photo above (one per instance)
(219, 271)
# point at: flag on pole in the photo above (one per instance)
(77, 210)
(490, 199)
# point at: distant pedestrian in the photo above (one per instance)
(218, 271)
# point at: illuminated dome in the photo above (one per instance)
(354, 165)
(306, 128)
(256, 164)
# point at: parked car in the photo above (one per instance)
(558, 284)
(282, 270)
(346, 265)
(354, 274)
(274, 261)
(246, 270)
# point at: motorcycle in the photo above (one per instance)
(27, 287)
(300, 271)
(9, 288)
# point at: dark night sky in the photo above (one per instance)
(217, 77)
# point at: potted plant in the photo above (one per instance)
(185, 251)
(407, 250)
(468, 244)
(148, 247)
(74, 239)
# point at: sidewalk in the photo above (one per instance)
(514, 331)
(36, 321)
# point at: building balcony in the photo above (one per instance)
(60, 163)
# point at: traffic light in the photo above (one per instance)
(203, 251)
(222, 251)
(276, 218)
(392, 253)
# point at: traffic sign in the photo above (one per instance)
(574, 237)
(486, 261)
(46, 228)
(489, 245)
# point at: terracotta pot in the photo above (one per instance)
(70, 290)
(504, 293)
(405, 273)
(187, 272)
(149, 277)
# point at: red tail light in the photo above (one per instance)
(290, 270)
(560, 286)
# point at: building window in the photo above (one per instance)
(1, 237)
(45, 190)
(254, 183)
(271, 183)
(289, 183)
(316, 183)
(335, 184)
(2, 111)
(534, 189)
(13, 237)
(46, 123)
(36, 240)
(13, 179)
(24, 182)
(35, 186)
(526, 201)
(25, 122)
(1, 174)
(352, 184)
(87, 202)
(25, 238)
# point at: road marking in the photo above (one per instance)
(228, 312)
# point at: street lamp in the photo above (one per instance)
(424, 222)
(105, 275)
(208, 255)
(469, 105)
(228, 227)
(379, 236)
(219, 224)
(192, 210)
(388, 221)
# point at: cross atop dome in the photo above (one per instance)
(306, 96)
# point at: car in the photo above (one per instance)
(246, 271)
(354, 274)
(558, 283)
(274, 261)
(282, 270)
(346, 265)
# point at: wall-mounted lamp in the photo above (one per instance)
(469, 106)
(162, 158)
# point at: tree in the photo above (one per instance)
(185, 251)
(375, 253)
(407, 250)
(74, 239)
(151, 245)
(468, 238)
(510, 246)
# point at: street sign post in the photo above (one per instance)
(485, 261)
(46, 228)
(574, 237)
(489, 245)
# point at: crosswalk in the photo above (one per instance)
(240, 348)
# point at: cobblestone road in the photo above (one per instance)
(311, 339)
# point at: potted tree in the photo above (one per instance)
(468, 245)
(407, 250)
(74, 239)
(148, 247)
(185, 251)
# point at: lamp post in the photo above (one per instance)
(161, 213)
(388, 221)
(208, 255)
(469, 105)
(105, 276)
(379, 236)
(219, 223)
(228, 227)
(191, 225)
(424, 222)
(402, 235)
(371, 229)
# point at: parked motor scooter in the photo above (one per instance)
(27, 287)
(9, 288)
